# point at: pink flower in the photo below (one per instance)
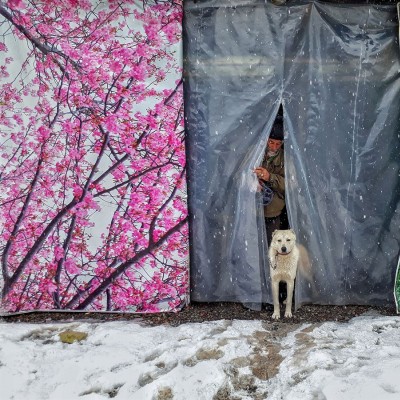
(71, 267)
(51, 287)
(77, 191)
(139, 72)
(142, 50)
(115, 66)
(58, 253)
(111, 123)
(43, 133)
(172, 32)
(15, 3)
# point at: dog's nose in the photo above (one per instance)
(284, 249)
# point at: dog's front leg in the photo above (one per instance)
(275, 297)
(289, 299)
(272, 259)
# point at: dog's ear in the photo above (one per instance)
(294, 233)
(274, 232)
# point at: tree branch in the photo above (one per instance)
(45, 49)
(124, 266)
(4, 257)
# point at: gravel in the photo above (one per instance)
(199, 312)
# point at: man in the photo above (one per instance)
(272, 172)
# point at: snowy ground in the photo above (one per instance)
(213, 360)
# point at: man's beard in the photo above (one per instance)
(271, 153)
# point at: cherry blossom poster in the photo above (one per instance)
(93, 212)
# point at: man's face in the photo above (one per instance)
(274, 145)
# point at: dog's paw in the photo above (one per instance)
(276, 315)
(288, 314)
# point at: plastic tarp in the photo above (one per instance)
(335, 69)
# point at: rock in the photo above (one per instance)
(70, 337)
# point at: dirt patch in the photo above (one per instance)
(244, 383)
(245, 375)
(225, 393)
(266, 358)
(164, 393)
(265, 367)
(305, 343)
(45, 336)
(209, 354)
(203, 354)
(240, 362)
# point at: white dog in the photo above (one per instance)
(283, 259)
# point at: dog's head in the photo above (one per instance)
(283, 241)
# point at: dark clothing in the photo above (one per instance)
(272, 212)
(284, 219)
(271, 224)
(275, 166)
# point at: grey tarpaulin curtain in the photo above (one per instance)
(335, 69)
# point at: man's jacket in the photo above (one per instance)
(276, 168)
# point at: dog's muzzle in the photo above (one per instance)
(284, 251)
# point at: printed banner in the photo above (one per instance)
(93, 208)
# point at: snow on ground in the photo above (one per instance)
(212, 360)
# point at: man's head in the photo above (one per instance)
(275, 139)
(274, 145)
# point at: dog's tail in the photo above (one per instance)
(305, 269)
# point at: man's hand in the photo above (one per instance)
(262, 173)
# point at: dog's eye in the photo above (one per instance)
(288, 240)
(279, 240)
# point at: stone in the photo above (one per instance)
(70, 336)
